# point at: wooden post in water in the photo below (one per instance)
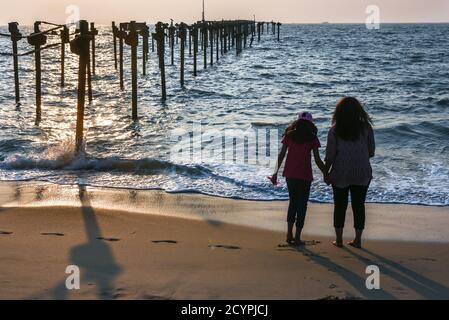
(160, 39)
(211, 36)
(80, 46)
(65, 38)
(222, 40)
(240, 38)
(190, 41)
(253, 34)
(94, 33)
(201, 37)
(133, 40)
(245, 34)
(114, 39)
(38, 39)
(240, 31)
(152, 43)
(204, 30)
(217, 31)
(182, 35)
(279, 30)
(62, 60)
(15, 37)
(145, 33)
(230, 35)
(171, 32)
(194, 34)
(225, 39)
(121, 35)
(237, 40)
(89, 76)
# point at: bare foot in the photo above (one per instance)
(355, 244)
(338, 244)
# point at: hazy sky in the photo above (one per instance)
(302, 11)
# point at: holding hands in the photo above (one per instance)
(274, 179)
(327, 178)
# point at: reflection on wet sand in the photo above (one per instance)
(216, 211)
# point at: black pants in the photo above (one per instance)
(299, 191)
(358, 198)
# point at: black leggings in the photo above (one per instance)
(299, 191)
(358, 198)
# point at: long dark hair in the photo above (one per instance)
(301, 131)
(350, 119)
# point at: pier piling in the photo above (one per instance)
(182, 35)
(211, 39)
(145, 33)
(38, 39)
(204, 29)
(94, 33)
(133, 41)
(279, 30)
(89, 78)
(121, 37)
(159, 36)
(114, 39)
(80, 46)
(15, 37)
(194, 35)
(171, 31)
(218, 36)
(65, 38)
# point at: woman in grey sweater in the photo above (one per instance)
(350, 147)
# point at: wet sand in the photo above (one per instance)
(133, 244)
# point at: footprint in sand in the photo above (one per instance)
(53, 234)
(108, 239)
(337, 298)
(307, 243)
(5, 233)
(399, 288)
(165, 241)
(220, 246)
(331, 298)
(423, 259)
(120, 294)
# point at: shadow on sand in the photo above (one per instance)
(355, 280)
(427, 288)
(95, 258)
(423, 286)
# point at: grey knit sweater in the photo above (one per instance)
(350, 160)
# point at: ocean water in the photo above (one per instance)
(400, 73)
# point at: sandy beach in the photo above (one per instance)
(155, 245)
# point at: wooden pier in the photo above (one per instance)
(214, 38)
